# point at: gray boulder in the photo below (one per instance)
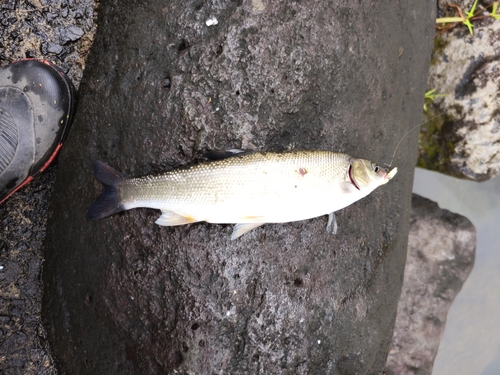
(464, 140)
(441, 251)
(123, 295)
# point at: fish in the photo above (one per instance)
(248, 189)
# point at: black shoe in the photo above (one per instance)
(37, 103)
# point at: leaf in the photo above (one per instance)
(469, 25)
(494, 11)
(429, 93)
(470, 14)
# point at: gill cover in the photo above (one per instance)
(369, 175)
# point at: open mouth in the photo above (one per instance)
(351, 178)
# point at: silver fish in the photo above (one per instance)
(247, 189)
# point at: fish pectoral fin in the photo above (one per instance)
(169, 219)
(332, 226)
(241, 229)
(347, 187)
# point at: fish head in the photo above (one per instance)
(366, 175)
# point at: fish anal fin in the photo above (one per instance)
(241, 229)
(332, 226)
(169, 219)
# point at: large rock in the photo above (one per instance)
(123, 295)
(441, 251)
(464, 139)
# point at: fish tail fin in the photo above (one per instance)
(107, 203)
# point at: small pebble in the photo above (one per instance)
(211, 21)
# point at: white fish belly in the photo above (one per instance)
(267, 208)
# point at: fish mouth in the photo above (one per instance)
(352, 178)
(388, 175)
(392, 173)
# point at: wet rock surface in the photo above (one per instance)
(464, 140)
(123, 295)
(32, 29)
(60, 31)
(441, 252)
(23, 345)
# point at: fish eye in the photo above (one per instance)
(375, 167)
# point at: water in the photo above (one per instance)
(471, 341)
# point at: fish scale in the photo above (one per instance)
(247, 189)
(259, 176)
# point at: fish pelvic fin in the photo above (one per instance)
(107, 203)
(332, 226)
(241, 229)
(170, 219)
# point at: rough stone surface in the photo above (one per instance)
(27, 28)
(23, 344)
(60, 31)
(464, 141)
(441, 251)
(123, 295)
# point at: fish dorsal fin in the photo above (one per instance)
(170, 219)
(241, 229)
(224, 154)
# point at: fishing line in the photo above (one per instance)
(408, 132)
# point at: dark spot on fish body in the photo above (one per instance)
(302, 171)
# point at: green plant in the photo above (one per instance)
(430, 96)
(471, 15)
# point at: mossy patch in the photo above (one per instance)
(437, 52)
(435, 143)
